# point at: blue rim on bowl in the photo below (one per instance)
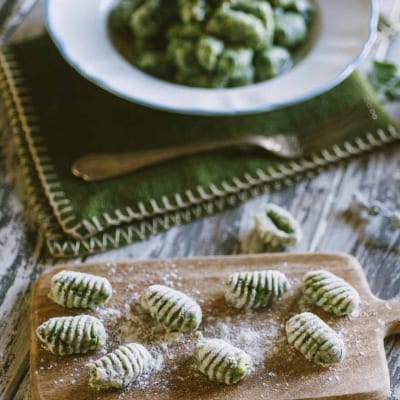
(204, 110)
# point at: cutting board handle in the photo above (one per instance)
(388, 313)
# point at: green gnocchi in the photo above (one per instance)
(315, 339)
(291, 29)
(120, 367)
(272, 62)
(220, 361)
(74, 289)
(255, 289)
(214, 43)
(173, 309)
(333, 294)
(72, 335)
(277, 227)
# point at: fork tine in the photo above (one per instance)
(317, 137)
(320, 138)
(329, 141)
(329, 126)
(337, 136)
(337, 120)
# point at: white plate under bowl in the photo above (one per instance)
(346, 29)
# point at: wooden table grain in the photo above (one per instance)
(319, 204)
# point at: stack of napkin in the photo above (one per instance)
(56, 116)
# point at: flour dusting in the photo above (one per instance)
(278, 367)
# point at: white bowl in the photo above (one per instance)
(346, 29)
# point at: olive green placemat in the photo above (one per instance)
(57, 115)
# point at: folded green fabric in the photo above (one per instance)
(56, 116)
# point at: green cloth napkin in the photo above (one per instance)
(56, 116)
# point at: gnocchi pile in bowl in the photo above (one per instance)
(214, 43)
(201, 57)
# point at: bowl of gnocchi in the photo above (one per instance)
(213, 57)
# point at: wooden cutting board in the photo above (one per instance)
(281, 373)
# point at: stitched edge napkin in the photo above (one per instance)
(56, 115)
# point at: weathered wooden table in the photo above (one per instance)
(318, 203)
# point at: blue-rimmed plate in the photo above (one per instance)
(342, 35)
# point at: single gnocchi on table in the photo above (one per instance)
(330, 292)
(224, 43)
(73, 289)
(255, 289)
(72, 335)
(171, 308)
(220, 361)
(312, 337)
(120, 367)
(277, 227)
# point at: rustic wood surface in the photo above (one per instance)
(319, 204)
(281, 374)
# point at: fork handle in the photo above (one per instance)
(96, 167)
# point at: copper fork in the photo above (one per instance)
(96, 167)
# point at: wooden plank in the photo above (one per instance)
(31, 26)
(16, 265)
(317, 203)
(12, 13)
(281, 373)
(24, 389)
